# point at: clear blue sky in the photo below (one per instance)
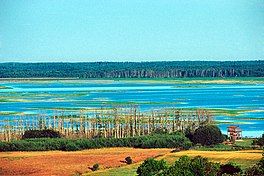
(131, 30)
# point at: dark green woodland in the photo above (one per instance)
(173, 69)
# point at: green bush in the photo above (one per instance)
(186, 166)
(208, 135)
(47, 133)
(197, 166)
(70, 146)
(257, 169)
(151, 167)
(128, 160)
(150, 141)
(229, 168)
(95, 167)
(4, 146)
(259, 141)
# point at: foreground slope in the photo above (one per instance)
(111, 160)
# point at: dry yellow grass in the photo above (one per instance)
(67, 163)
(245, 157)
(111, 160)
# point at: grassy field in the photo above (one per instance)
(70, 163)
(244, 158)
(111, 160)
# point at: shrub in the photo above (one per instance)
(95, 167)
(225, 137)
(208, 135)
(47, 133)
(128, 160)
(189, 133)
(151, 167)
(229, 168)
(4, 146)
(257, 169)
(148, 141)
(70, 146)
(192, 167)
(259, 141)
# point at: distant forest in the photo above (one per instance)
(174, 69)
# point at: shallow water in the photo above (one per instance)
(236, 104)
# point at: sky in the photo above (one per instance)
(131, 30)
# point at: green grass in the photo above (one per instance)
(244, 143)
(218, 147)
(129, 170)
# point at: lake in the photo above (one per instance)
(231, 104)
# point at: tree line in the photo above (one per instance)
(116, 123)
(163, 69)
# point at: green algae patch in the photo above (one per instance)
(5, 87)
(227, 112)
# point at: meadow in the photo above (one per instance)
(111, 160)
(243, 158)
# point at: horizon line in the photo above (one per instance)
(257, 60)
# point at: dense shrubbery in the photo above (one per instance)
(229, 168)
(47, 133)
(151, 167)
(257, 169)
(259, 141)
(186, 166)
(197, 166)
(174, 140)
(182, 167)
(191, 167)
(207, 135)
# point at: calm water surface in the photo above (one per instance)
(236, 104)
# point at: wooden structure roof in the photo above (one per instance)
(234, 129)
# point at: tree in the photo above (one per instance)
(173, 69)
(259, 141)
(208, 135)
(257, 169)
(197, 166)
(47, 133)
(151, 167)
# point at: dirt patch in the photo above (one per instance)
(68, 163)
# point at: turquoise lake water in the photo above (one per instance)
(233, 104)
